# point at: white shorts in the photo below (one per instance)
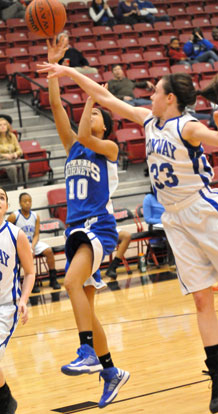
(40, 247)
(8, 323)
(192, 230)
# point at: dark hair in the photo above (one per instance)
(108, 122)
(96, 6)
(197, 30)
(181, 85)
(6, 195)
(23, 194)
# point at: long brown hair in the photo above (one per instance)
(181, 85)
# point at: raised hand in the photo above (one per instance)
(56, 50)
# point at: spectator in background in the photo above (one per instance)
(11, 152)
(148, 12)
(215, 38)
(101, 13)
(127, 12)
(176, 54)
(124, 238)
(11, 10)
(123, 88)
(29, 222)
(200, 49)
(74, 58)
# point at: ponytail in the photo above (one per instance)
(211, 91)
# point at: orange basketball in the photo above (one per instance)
(45, 18)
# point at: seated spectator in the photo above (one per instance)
(124, 238)
(176, 53)
(29, 222)
(74, 58)
(152, 211)
(123, 88)
(147, 12)
(127, 12)
(101, 13)
(215, 38)
(11, 10)
(10, 151)
(200, 49)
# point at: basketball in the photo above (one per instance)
(45, 18)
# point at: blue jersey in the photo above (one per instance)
(91, 179)
(176, 168)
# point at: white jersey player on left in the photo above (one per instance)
(14, 250)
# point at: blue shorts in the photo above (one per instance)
(101, 233)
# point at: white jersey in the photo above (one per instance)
(177, 169)
(9, 264)
(28, 224)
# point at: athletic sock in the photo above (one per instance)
(106, 360)
(86, 337)
(211, 350)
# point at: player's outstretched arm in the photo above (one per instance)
(67, 136)
(97, 92)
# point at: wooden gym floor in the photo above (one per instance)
(152, 333)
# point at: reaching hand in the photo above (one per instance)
(56, 50)
(56, 71)
(22, 309)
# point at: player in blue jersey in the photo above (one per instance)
(14, 248)
(180, 175)
(91, 178)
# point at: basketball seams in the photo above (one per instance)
(45, 18)
(53, 18)
(38, 20)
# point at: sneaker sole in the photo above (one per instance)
(121, 383)
(74, 372)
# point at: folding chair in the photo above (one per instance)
(133, 60)
(145, 29)
(156, 58)
(74, 105)
(149, 43)
(104, 33)
(137, 74)
(17, 83)
(88, 48)
(40, 167)
(17, 39)
(132, 146)
(58, 198)
(196, 11)
(124, 30)
(18, 54)
(129, 44)
(82, 33)
(109, 46)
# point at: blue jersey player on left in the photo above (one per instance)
(91, 177)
